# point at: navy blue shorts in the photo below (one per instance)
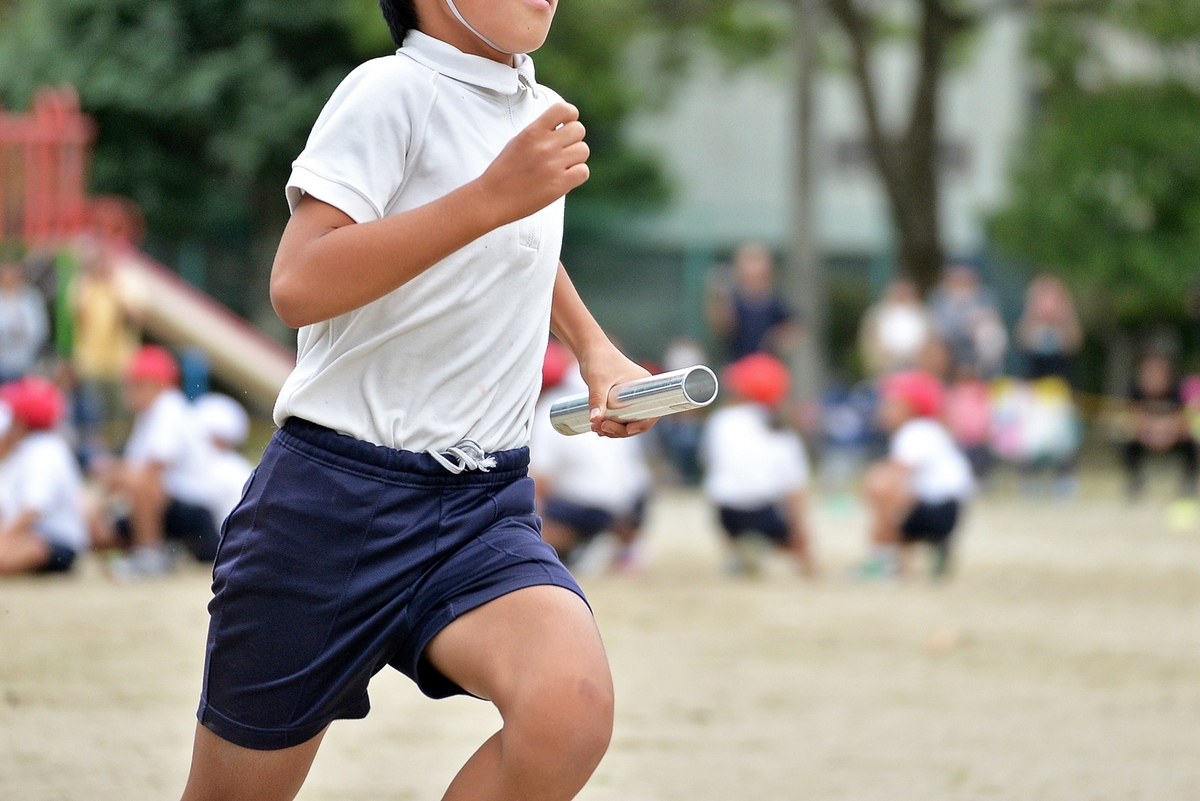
(60, 560)
(766, 521)
(930, 522)
(344, 557)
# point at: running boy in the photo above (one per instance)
(391, 519)
(41, 523)
(915, 493)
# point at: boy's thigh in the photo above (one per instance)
(514, 644)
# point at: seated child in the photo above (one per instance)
(227, 425)
(585, 484)
(165, 475)
(755, 472)
(41, 523)
(917, 491)
(1158, 424)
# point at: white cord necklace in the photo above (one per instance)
(467, 25)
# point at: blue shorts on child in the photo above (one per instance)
(344, 557)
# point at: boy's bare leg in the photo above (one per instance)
(22, 551)
(887, 492)
(148, 503)
(222, 771)
(537, 655)
(797, 507)
(558, 536)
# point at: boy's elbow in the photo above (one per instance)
(289, 302)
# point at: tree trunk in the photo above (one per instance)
(805, 280)
(908, 162)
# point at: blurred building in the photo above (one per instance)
(726, 139)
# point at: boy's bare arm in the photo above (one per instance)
(327, 265)
(600, 363)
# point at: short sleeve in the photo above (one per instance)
(36, 485)
(357, 153)
(915, 444)
(793, 462)
(165, 439)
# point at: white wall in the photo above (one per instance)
(725, 138)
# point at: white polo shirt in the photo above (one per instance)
(747, 463)
(169, 433)
(940, 471)
(457, 351)
(41, 476)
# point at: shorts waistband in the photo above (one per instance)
(398, 465)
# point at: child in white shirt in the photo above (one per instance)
(916, 493)
(42, 529)
(227, 425)
(755, 473)
(586, 484)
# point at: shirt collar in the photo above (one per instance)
(475, 70)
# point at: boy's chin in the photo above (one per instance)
(525, 43)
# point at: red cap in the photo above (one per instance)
(152, 363)
(555, 365)
(759, 378)
(34, 401)
(921, 391)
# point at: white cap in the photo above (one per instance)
(6, 418)
(223, 418)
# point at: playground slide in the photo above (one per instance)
(179, 315)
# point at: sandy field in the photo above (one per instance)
(1062, 662)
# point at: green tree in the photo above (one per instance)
(1107, 193)
(203, 104)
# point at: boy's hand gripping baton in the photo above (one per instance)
(655, 396)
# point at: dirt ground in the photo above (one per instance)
(1062, 662)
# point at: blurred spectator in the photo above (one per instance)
(585, 484)
(850, 436)
(227, 425)
(1036, 426)
(756, 474)
(1048, 333)
(42, 528)
(166, 474)
(750, 317)
(24, 324)
(969, 419)
(107, 306)
(679, 434)
(966, 319)
(916, 493)
(1158, 424)
(895, 330)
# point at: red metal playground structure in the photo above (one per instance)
(44, 161)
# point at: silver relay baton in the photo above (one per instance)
(655, 396)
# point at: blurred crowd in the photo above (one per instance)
(950, 391)
(100, 445)
(110, 443)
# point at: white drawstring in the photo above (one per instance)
(467, 25)
(469, 455)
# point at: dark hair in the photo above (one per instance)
(400, 16)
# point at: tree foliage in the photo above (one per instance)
(203, 104)
(1107, 193)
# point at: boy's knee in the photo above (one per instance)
(568, 718)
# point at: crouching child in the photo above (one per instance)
(756, 473)
(42, 529)
(916, 493)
